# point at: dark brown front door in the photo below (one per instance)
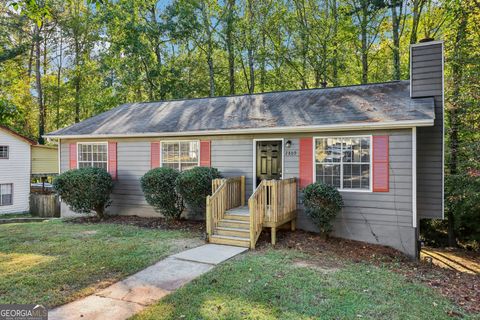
(269, 160)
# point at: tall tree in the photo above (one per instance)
(368, 16)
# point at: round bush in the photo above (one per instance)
(85, 190)
(322, 203)
(195, 185)
(158, 185)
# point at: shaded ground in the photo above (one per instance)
(285, 283)
(151, 223)
(461, 287)
(54, 262)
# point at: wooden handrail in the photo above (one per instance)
(257, 209)
(226, 194)
(274, 202)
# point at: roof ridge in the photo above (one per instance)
(268, 92)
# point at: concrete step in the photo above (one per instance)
(228, 223)
(234, 232)
(232, 241)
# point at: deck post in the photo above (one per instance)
(274, 235)
(208, 218)
(252, 223)
(242, 190)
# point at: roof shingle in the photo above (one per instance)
(384, 102)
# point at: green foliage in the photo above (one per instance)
(158, 185)
(322, 203)
(195, 185)
(462, 197)
(85, 190)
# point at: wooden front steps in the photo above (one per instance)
(233, 229)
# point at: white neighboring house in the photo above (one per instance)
(15, 171)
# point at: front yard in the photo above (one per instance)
(55, 262)
(288, 284)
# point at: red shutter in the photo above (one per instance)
(380, 164)
(306, 162)
(73, 156)
(205, 154)
(112, 159)
(155, 155)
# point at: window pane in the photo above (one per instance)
(329, 174)
(365, 146)
(352, 155)
(3, 152)
(6, 194)
(320, 150)
(92, 155)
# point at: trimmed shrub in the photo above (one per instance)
(158, 185)
(195, 185)
(322, 203)
(85, 190)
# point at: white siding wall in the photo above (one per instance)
(16, 170)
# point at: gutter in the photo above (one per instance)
(403, 124)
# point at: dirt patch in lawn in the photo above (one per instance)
(144, 222)
(463, 288)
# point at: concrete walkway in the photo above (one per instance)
(127, 297)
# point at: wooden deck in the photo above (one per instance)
(229, 221)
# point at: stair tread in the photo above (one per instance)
(232, 229)
(230, 237)
(236, 221)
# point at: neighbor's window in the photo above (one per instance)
(3, 152)
(180, 155)
(343, 162)
(93, 155)
(6, 192)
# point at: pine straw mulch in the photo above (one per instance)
(150, 223)
(460, 287)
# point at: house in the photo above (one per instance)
(380, 144)
(15, 169)
(22, 159)
(44, 161)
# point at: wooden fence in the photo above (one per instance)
(44, 205)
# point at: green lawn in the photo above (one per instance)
(284, 284)
(55, 262)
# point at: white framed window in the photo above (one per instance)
(344, 162)
(92, 154)
(4, 152)
(180, 155)
(6, 194)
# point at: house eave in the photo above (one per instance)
(403, 124)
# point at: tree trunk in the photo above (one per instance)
(457, 78)
(209, 51)
(363, 35)
(250, 54)
(416, 11)
(59, 74)
(263, 72)
(335, 51)
(38, 78)
(230, 46)
(396, 38)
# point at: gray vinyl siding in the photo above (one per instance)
(234, 158)
(376, 217)
(427, 81)
(133, 161)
